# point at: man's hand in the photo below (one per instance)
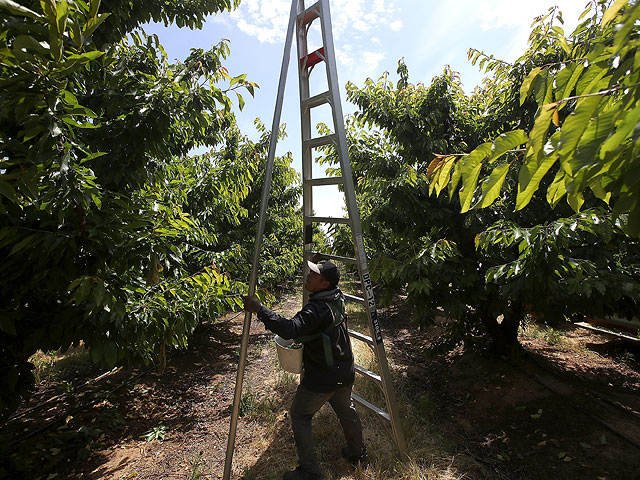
(252, 304)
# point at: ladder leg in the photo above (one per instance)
(352, 208)
(307, 153)
(258, 244)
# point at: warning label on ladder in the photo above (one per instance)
(368, 289)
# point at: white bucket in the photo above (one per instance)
(290, 359)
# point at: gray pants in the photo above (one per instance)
(305, 404)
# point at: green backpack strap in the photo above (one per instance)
(337, 309)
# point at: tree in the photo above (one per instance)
(485, 268)
(281, 253)
(586, 91)
(109, 232)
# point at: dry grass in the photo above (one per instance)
(49, 366)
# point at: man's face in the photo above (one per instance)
(316, 282)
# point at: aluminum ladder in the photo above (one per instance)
(301, 19)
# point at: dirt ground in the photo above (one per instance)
(567, 408)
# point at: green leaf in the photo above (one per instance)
(527, 84)
(237, 79)
(624, 30)
(576, 124)
(586, 154)
(470, 170)
(599, 191)
(25, 242)
(543, 88)
(73, 122)
(443, 176)
(62, 11)
(557, 189)
(76, 33)
(590, 80)
(94, 6)
(7, 190)
(93, 24)
(85, 57)
(491, 186)
(612, 11)
(564, 44)
(538, 134)
(530, 176)
(97, 201)
(83, 290)
(49, 9)
(456, 176)
(625, 127)
(17, 9)
(99, 292)
(92, 156)
(28, 42)
(240, 101)
(506, 142)
(567, 79)
(575, 200)
(55, 39)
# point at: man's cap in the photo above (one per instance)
(327, 269)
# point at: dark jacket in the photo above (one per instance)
(315, 317)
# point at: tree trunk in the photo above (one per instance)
(504, 333)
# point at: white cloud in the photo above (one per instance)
(396, 25)
(372, 60)
(353, 21)
(518, 16)
(267, 20)
(507, 13)
(344, 56)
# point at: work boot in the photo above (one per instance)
(356, 459)
(301, 474)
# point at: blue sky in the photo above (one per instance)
(370, 37)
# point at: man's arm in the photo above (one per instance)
(304, 322)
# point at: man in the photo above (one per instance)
(328, 367)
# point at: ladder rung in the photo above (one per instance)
(319, 141)
(345, 221)
(315, 182)
(309, 15)
(370, 406)
(317, 100)
(369, 374)
(353, 298)
(313, 58)
(362, 338)
(326, 256)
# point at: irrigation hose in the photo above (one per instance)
(79, 408)
(79, 389)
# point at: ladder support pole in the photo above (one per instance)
(275, 128)
(352, 208)
(306, 133)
